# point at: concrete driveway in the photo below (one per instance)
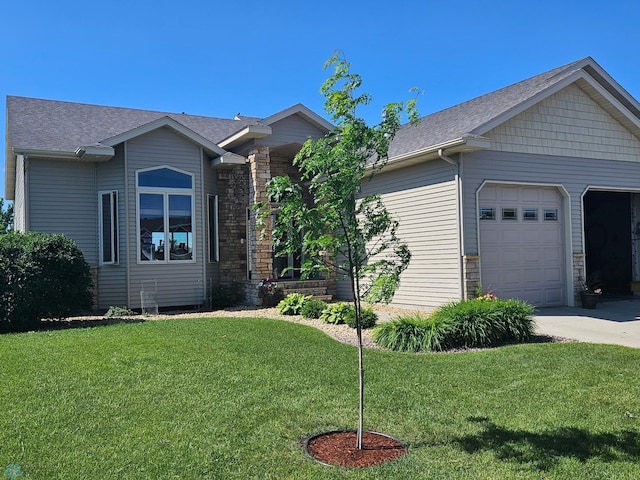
(611, 322)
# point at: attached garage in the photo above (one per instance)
(522, 243)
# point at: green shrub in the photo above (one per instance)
(224, 296)
(487, 322)
(368, 318)
(313, 308)
(41, 276)
(414, 333)
(292, 304)
(476, 323)
(118, 312)
(336, 313)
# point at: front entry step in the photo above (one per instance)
(316, 288)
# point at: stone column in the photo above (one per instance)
(471, 268)
(579, 275)
(260, 232)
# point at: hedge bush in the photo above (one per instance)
(476, 323)
(368, 318)
(313, 308)
(41, 276)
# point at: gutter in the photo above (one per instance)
(459, 222)
(467, 143)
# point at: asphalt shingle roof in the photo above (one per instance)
(465, 119)
(63, 126)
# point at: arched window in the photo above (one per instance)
(165, 215)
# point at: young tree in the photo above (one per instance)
(6, 217)
(336, 227)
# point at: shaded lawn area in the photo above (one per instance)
(232, 398)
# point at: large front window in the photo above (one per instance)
(165, 212)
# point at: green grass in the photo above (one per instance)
(232, 398)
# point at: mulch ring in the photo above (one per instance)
(338, 448)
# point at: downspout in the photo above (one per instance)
(459, 226)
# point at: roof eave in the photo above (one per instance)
(95, 153)
(229, 159)
(458, 145)
(250, 132)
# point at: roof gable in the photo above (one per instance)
(569, 123)
(467, 122)
(160, 123)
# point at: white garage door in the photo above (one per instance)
(521, 243)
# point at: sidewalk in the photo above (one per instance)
(611, 322)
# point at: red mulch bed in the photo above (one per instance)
(339, 448)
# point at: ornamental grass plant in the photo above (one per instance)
(476, 323)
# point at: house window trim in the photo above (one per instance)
(115, 227)
(165, 192)
(214, 243)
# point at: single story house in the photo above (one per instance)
(526, 192)
(160, 203)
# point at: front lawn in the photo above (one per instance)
(232, 398)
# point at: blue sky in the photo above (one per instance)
(215, 58)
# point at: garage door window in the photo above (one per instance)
(509, 214)
(551, 215)
(487, 214)
(530, 214)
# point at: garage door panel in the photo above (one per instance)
(510, 256)
(531, 195)
(531, 276)
(508, 194)
(522, 258)
(553, 297)
(509, 236)
(532, 255)
(509, 276)
(551, 256)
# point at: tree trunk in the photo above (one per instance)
(361, 391)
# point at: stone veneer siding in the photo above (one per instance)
(260, 244)
(233, 199)
(471, 276)
(579, 274)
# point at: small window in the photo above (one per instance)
(551, 215)
(164, 178)
(509, 214)
(530, 214)
(213, 228)
(487, 214)
(108, 218)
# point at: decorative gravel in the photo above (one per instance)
(342, 333)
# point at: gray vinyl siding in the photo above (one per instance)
(293, 129)
(62, 199)
(423, 199)
(178, 284)
(575, 175)
(112, 279)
